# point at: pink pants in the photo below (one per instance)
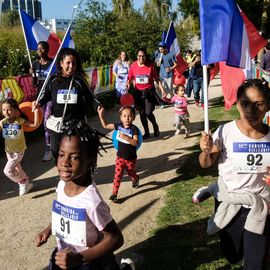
(13, 169)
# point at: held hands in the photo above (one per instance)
(206, 143)
(67, 259)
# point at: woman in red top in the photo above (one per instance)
(143, 74)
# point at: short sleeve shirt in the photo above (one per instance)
(14, 135)
(126, 150)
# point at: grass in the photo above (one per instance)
(180, 240)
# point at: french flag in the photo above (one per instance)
(229, 37)
(173, 46)
(35, 32)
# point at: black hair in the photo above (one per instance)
(89, 139)
(262, 86)
(14, 104)
(145, 53)
(45, 45)
(61, 56)
(267, 46)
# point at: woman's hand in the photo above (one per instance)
(206, 143)
(100, 111)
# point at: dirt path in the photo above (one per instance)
(22, 217)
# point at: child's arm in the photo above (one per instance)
(36, 117)
(112, 240)
(209, 153)
(133, 141)
(103, 121)
(42, 237)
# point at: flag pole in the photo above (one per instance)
(54, 60)
(27, 48)
(205, 98)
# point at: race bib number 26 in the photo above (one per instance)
(251, 157)
(69, 224)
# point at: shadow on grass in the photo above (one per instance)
(184, 247)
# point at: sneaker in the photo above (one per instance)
(177, 132)
(201, 194)
(135, 183)
(202, 105)
(162, 107)
(127, 264)
(146, 136)
(48, 155)
(25, 188)
(156, 133)
(197, 103)
(113, 198)
(187, 133)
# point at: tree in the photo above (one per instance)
(10, 18)
(121, 7)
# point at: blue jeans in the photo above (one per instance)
(197, 86)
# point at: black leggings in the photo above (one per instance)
(55, 141)
(238, 243)
(145, 102)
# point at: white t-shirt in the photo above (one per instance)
(70, 223)
(242, 161)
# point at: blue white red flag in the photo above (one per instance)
(68, 42)
(35, 32)
(227, 35)
(230, 38)
(173, 46)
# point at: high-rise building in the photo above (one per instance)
(32, 7)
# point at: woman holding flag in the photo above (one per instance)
(68, 90)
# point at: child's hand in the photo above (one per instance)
(124, 136)
(67, 259)
(206, 143)
(100, 110)
(42, 237)
(266, 177)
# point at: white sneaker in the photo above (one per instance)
(177, 132)
(127, 264)
(48, 155)
(25, 188)
(187, 133)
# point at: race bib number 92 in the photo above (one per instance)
(251, 157)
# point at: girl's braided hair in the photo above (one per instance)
(89, 139)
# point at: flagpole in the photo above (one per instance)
(168, 32)
(205, 98)
(27, 48)
(54, 60)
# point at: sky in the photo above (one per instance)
(62, 9)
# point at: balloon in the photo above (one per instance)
(179, 79)
(127, 100)
(26, 108)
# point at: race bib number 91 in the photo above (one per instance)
(251, 157)
(69, 224)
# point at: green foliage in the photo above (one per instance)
(10, 18)
(13, 55)
(100, 34)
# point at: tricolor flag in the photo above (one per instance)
(228, 36)
(173, 46)
(35, 32)
(68, 42)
